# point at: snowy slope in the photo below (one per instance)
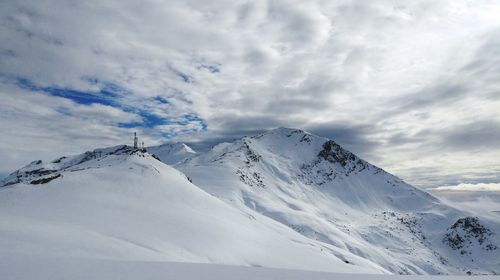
(284, 199)
(121, 204)
(328, 194)
(172, 153)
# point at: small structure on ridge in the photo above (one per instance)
(135, 140)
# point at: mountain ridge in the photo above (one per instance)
(327, 193)
(345, 206)
(122, 203)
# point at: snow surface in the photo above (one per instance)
(72, 268)
(124, 205)
(172, 153)
(282, 199)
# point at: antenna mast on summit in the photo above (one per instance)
(135, 140)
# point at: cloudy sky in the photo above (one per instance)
(412, 86)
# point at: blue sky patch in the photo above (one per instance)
(195, 118)
(80, 97)
(161, 100)
(112, 95)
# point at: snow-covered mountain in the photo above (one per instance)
(122, 204)
(172, 153)
(328, 194)
(284, 198)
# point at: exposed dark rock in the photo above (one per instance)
(58, 160)
(253, 179)
(465, 231)
(44, 180)
(155, 157)
(306, 138)
(250, 154)
(39, 172)
(332, 152)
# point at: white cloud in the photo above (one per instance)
(180, 129)
(485, 203)
(480, 187)
(413, 72)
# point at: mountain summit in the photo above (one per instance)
(326, 193)
(172, 153)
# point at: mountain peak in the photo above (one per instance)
(297, 151)
(172, 153)
(288, 138)
(284, 131)
(177, 146)
(38, 172)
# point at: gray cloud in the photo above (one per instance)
(486, 203)
(490, 187)
(445, 93)
(473, 136)
(353, 137)
(412, 87)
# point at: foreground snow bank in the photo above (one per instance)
(29, 267)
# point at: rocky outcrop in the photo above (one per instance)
(468, 232)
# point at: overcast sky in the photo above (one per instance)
(412, 86)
